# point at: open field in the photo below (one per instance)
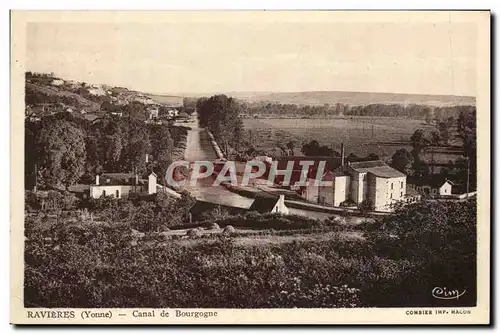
(361, 135)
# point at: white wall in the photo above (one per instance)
(325, 195)
(123, 191)
(341, 189)
(312, 191)
(280, 206)
(445, 189)
(151, 184)
(388, 192)
(398, 189)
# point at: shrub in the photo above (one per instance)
(348, 203)
(194, 233)
(229, 229)
(213, 226)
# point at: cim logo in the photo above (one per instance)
(444, 293)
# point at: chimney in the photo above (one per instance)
(152, 183)
(342, 154)
(97, 179)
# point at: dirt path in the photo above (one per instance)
(199, 148)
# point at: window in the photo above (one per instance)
(392, 186)
(104, 193)
(117, 193)
(401, 194)
(401, 184)
(391, 195)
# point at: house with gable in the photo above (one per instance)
(121, 185)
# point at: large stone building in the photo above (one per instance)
(372, 182)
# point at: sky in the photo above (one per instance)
(207, 57)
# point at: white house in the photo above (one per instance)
(120, 185)
(153, 113)
(432, 186)
(57, 82)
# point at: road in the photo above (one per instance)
(198, 147)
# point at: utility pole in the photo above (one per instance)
(467, 189)
(36, 179)
(432, 161)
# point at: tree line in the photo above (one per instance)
(424, 140)
(61, 149)
(429, 113)
(221, 115)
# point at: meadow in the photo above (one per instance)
(361, 135)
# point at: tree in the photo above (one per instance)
(61, 152)
(429, 115)
(138, 145)
(444, 131)
(365, 206)
(439, 240)
(220, 114)
(420, 142)
(400, 160)
(291, 147)
(162, 146)
(436, 138)
(467, 131)
(311, 148)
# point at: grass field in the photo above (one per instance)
(361, 135)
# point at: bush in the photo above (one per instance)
(55, 201)
(421, 246)
(213, 226)
(194, 233)
(229, 229)
(365, 206)
(348, 203)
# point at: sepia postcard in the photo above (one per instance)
(250, 167)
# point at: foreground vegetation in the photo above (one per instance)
(398, 262)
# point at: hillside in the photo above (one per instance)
(47, 94)
(353, 98)
(170, 100)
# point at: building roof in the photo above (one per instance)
(79, 188)
(263, 204)
(330, 176)
(114, 179)
(377, 168)
(410, 192)
(330, 162)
